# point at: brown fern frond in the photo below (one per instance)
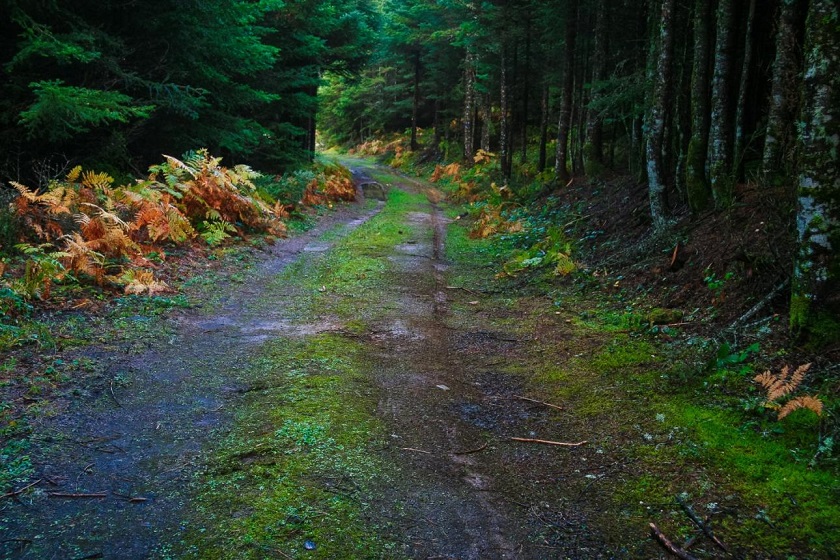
(108, 217)
(25, 192)
(810, 402)
(143, 282)
(782, 384)
(79, 256)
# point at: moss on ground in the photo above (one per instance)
(297, 470)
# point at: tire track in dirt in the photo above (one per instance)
(447, 508)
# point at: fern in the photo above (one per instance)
(215, 232)
(783, 384)
(138, 282)
(810, 402)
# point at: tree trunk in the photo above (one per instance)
(564, 125)
(696, 185)
(720, 133)
(784, 94)
(485, 113)
(658, 107)
(743, 84)
(593, 151)
(543, 128)
(469, 100)
(415, 102)
(816, 278)
(526, 90)
(504, 138)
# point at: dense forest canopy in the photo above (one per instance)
(117, 83)
(692, 98)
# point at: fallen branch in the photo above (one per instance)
(476, 450)
(21, 491)
(547, 442)
(668, 545)
(520, 397)
(70, 495)
(689, 511)
(759, 306)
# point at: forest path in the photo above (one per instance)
(235, 436)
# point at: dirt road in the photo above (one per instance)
(227, 436)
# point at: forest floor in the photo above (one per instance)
(370, 389)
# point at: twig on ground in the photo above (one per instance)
(520, 397)
(113, 396)
(476, 450)
(131, 499)
(668, 545)
(21, 491)
(19, 541)
(469, 291)
(547, 442)
(71, 495)
(689, 511)
(416, 450)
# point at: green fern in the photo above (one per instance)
(214, 232)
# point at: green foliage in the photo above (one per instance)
(728, 361)
(287, 188)
(215, 231)
(43, 267)
(61, 112)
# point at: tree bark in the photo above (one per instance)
(526, 88)
(784, 94)
(469, 101)
(696, 185)
(658, 107)
(564, 125)
(485, 113)
(816, 278)
(720, 134)
(415, 102)
(543, 128)
(593, 150)
(504, 121)
(743, 84)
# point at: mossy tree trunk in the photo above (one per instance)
(816, 279)
(658, 106)
(784, 94)
(721, 131)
